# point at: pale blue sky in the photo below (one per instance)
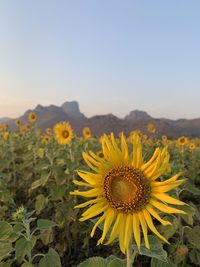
(112, 56)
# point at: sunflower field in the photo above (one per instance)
(109, 201)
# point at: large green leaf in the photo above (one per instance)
(40, 202)
(5, 249)
(22, 247)
(51, 259)
(157, 263)
(44, 224)
(156, 249)
(94, 261)
(193, 236)
(5, 230)
(116, 263)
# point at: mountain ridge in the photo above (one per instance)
(49, 115)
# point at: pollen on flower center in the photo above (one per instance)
(126, 189)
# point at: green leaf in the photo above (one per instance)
(40, 202)
(40, 182)
(44, 224)
(5, 250)
(190, 212)
(7, 263)
(5, 230)
(50, 259)
(94, 261)
(192, 189)
(26, 264)
(57, 192)
(22, 247)
(116, 263)
(169, 230)
(193, 236)
(194, 256)
(157, 263)
(156, 249)
(47, 237)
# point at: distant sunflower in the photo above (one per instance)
(46, 139)
(18, 122)
(192, 146)
(48, 131)
(32, 117)
(87, 133)
(151, 127)
(182, 140)
(63, 133)
(124, 192)
(164, 138)
(5, 135)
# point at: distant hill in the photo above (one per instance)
(48, 116)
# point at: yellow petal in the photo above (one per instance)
(97, 223)
(136, 229)
(122, 233)
(92, 201)
(149, 222)
(95, 192)
(82, 183)
(149, 163)
(155, 215)
(166, 182)
(164, 197)
(93, 214)
(94, 208)
(137, 151)
(115, 229)
(93, 164)
(89, 177)
(166, 188)
(128, 230)
(110, 215)
(165, 208)
(124, 149)
(144, 228)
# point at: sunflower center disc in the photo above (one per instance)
(126, 189)
(65, 134)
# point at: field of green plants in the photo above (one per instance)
(39, 225)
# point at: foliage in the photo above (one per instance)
(38, 176)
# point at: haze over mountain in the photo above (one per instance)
(48, 116)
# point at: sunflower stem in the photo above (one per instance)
(130, 256)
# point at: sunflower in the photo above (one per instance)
(151, 127)
(5, 135)
(124, 192)
(17, 122)
(192, 146)
(86, 132)
(182, 140)
(63, 133)
(164, 138)
(32, 117)
(48, 131)
(46, 139)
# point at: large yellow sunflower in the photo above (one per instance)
(63, 133)
(124, 192)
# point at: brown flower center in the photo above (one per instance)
(126, 189)
(65, 134)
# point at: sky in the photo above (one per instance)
(111, 56)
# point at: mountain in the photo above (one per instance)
(48, 116)
(4, 120)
